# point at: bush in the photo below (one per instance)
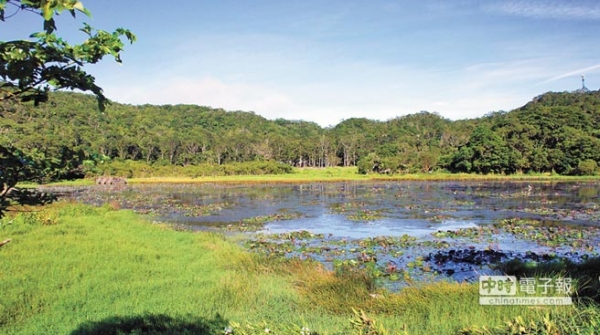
(371, 163)
(587, 167)
(374, 164)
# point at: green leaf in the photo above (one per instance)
(47, 10)
(78, 5)
(87, 13)
(86, 29)
(38, 35)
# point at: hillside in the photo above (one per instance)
(554, 132)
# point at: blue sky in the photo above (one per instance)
(326, 61)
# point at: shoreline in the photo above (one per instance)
(333, 176)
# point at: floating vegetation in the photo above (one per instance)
(357, 211)
(365, 215)
(201, 210)
(257, 222)
(462, 202)
(182, 209)
(416, 231)
(296, 235)
(386, 242)
(554, 235)
(269, 247)
(460, 254)
(439, 218)
(474, 234)
(344, 207)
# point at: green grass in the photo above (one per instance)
(75, 269)
(586, 273)
(336, 174)
(96, 264)
(299, 175)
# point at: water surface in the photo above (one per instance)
(456, 229)
(414, 208)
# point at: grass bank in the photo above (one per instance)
(75, 269)
(337, 174)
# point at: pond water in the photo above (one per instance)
(359, 210)
(452, 228)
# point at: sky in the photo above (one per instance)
(330, 60)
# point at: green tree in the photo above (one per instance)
(587, 167)
(486, 152)
(31, 67)
(369, 164)
(428, 159)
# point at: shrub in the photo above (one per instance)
(587, 167)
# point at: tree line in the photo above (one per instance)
(555, 132)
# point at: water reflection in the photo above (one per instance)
(360, 209)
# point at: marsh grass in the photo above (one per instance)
(335, 174)
(298, 175)
(438, 308)
(585, 274)
(442, 175)
(584, 320)
(76, 269)
(96, 263)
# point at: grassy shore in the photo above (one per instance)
(76, 269)
(336, 174)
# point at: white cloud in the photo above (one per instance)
(280, 77)
(206, 91)
(504, 74)
(564, 10)
(369, 90)
(476, 105)
(572, 73)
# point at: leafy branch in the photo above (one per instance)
(30, 68)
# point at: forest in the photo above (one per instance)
(72, 138)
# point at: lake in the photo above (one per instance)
(456, 229)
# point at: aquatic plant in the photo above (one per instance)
(366, 215)
(551, 234)
(257, 222)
